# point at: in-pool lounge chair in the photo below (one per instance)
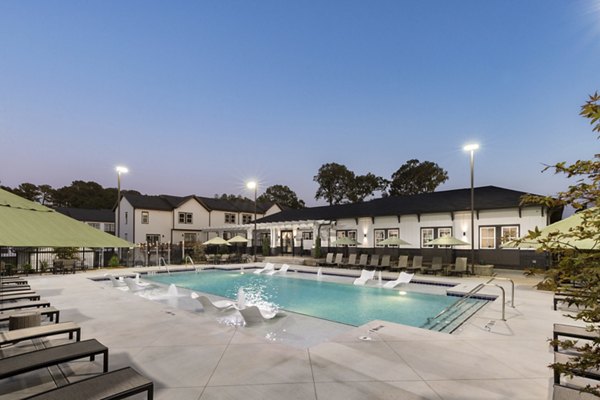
(253, 315)
(134, 286)
(268, 267)
(403, 278)
(281, 270)
(25, 362)
(210, 306)
(116, 282)
(10, 337)
(119, 384)
(417, 264)
(364, 277)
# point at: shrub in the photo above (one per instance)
(114, 261)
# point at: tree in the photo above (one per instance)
(85, 195)
(28, 191)
(416, 177)
(363, 186)
(282, 195)
(333, 182)
(46, 194)
(225, 196)
(577, 265)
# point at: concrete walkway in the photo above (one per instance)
(189, 355)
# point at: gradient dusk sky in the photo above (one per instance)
(197, 97)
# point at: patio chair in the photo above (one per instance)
(364, 277)
(338, 259)
(417, 264)
(268, 267)
(328, 260)
(362, 261)
(210, 306)
(253, 314)
(402, 263)
(119, 384)
(374, 262)
(33, 360)
(281, 270)
(10, 337)
(459, 267)
(385, 261)
(403, 278)
(435, 266)
(350, 262)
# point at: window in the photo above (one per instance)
(94, 225)
(443, 232)
(426, 236)
(145, 217)
(487, 237)
(307, 235)
(229, 218)
(346, 233)
(185, 218)
(379, 236)
(126, 215)
(189, 237)
(152, 239)
(109, 227)
(508, 233)
(246, 218)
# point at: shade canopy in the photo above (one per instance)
(447, 241)
(345, 241)
(217, 241)
(24, 223)
(566, 226)
(393, 241)
(238, 239)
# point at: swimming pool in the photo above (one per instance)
(344, 303)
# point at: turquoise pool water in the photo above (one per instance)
(344, 303)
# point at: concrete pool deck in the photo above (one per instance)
(189, 355)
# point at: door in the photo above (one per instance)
(287, 242)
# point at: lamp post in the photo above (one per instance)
(253, 185)
(471, 148)
(120, 170)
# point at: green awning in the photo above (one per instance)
(24, 223)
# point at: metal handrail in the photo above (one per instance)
(458, 302)
(164, 263)
(503, 298)
(191, 262)
(512, 293)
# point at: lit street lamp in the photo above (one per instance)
(471, 148)
(253, 185)
(120, 170)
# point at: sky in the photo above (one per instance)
(199, 97)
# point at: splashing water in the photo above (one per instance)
(172, 292)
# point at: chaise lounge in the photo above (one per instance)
(268, 267)
(403, 278)
(11, 337)
(364, 277)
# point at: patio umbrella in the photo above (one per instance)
(237, 240)
(447, 241)
(345, 241)
(564, 226)
(217, 241)
(394, 241)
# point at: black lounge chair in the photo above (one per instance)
(118, 384)
(14, 288)
(23, 305)
(12, 297)
(573, 332)
(52, 313)
(25, 362)
(18, 292)
(374, 261)
(11, 337)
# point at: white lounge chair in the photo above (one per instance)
(253, 314)
(403, 278)
(208, 305)
(281, 270)
(364, 277)
(116, 282)
(268, 267)
(133, 286)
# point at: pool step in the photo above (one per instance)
(455, 317)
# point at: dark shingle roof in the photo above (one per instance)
(165, 202)
(88, 215)
(486, 198)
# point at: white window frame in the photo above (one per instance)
(246, 218)
(230, 216)
(426, 238)
(186, 217)
(145, 217)
(152, 236)
(506, 238)
(444, 232)
(487, 237)
(109, 227)
(95, 225)
(378, 236)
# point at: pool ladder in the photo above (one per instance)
(164, 264)
(454, 306)
(188, 258)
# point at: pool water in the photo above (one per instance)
(344, 303)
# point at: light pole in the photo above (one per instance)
(253, 185)
(120, 170)
(471, 148)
